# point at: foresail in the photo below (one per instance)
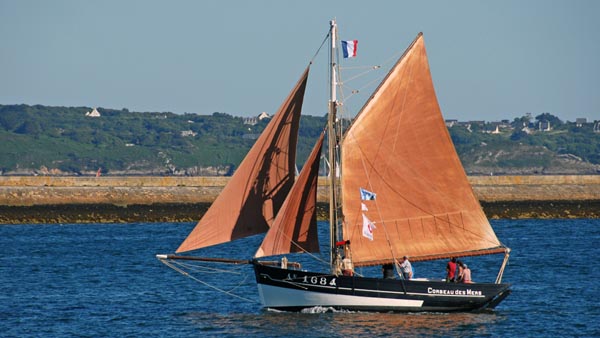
(295, 227)
(399, 148)
(249, 202)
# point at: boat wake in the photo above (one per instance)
(315, 310)
(321, 309)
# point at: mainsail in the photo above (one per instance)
(399, 148)
(295, 227)
(250, 201)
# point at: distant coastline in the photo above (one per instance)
(110, 199)
(83, 141)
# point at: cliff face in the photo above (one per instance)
(45, 199)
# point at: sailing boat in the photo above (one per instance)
(420, 203)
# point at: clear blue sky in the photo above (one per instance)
(490, 60)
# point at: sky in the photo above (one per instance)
(490, 60)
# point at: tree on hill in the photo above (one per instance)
(547, 117)
(520, 122)
(30, 127)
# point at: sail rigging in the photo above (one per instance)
(399, 147)
(295, 227)
(250, 201)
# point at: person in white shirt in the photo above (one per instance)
(406, 268)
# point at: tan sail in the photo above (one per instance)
(398, 147)
(253, 196)
(295, 227)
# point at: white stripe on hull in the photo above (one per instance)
(274, 296)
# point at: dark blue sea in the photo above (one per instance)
(103, 280)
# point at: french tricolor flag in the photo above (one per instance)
(349, 48)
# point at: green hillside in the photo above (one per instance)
(119, 141)
(63, 140)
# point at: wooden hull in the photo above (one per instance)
(293, 290)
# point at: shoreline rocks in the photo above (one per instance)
(52, 199)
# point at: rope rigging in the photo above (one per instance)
(179, 267)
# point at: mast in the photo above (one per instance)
(332, 145)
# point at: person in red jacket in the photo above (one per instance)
(451, 270)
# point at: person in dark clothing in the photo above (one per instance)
(459, 272)
(388, 271)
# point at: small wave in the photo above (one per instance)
(321, 309)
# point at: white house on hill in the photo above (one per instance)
(93, 113)
(254, 120)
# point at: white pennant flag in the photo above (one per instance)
(363, 207)
(368, 228)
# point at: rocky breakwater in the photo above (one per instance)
(560, 196)
(49, 199)
(53, 199)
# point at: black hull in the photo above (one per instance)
(294, 290)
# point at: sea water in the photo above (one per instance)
(103, 280)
